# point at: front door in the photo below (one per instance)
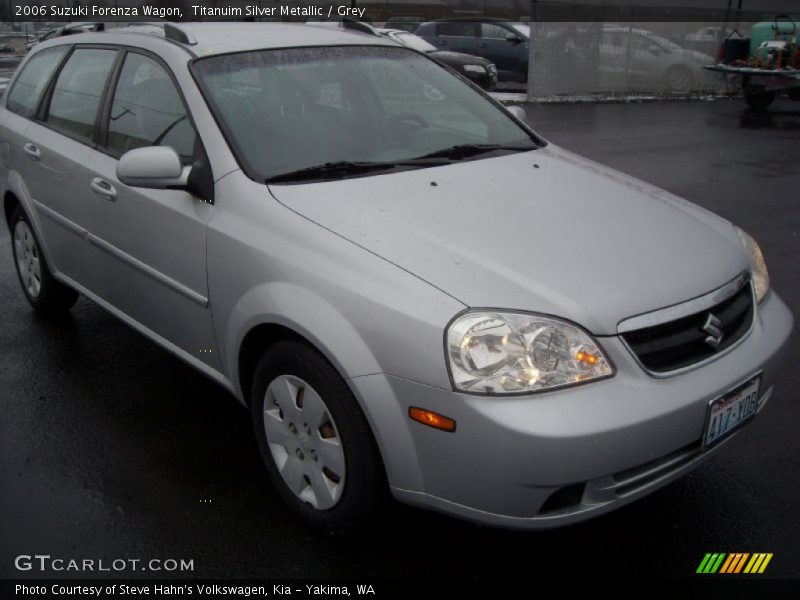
(149, 246)
(511, 57)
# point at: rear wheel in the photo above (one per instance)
(45, 294)
(315, 441)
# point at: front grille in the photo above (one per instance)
(685, 341)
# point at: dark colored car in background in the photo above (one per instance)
(480, 71)
(505, 43)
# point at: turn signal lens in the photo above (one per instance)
(586, 358)
(432, 419)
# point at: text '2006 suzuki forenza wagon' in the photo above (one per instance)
(407, 286)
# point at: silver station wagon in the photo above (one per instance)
(410, 289)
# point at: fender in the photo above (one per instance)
(307, 314)
(310, 316)
(16, 185)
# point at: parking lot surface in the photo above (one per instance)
(111, 448)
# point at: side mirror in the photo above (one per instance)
(654, 49)
(513, 38)
(517, 112)
(153, 167)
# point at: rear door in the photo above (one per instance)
(55, 151)
(21, 106)
(149, 246)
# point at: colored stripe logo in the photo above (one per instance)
(734, 562)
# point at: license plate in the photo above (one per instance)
(731, 411)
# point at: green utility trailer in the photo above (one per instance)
(768, 61)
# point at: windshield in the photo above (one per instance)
(414, 42)
(522, 28)
(288, 110)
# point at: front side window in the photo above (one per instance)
(639, 43)
(522, 29)
(288, 110)
(491, 31)
(613, 38)
(148, 111)
(79, 89)
(33, 79)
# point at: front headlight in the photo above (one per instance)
(474, 69)
(512, 353)
(758, 268)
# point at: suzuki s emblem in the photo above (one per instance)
(712, 328)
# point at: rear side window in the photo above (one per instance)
(148, 111)
(32, 81)
(456, 29)
(78, 91)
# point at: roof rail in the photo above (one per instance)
(73, 28)
(176, 34)
(345, 23)
(353, 24)
(170, 31)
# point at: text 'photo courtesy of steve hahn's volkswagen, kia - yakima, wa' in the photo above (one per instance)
(410, 289)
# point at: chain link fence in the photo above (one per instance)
(605, 58)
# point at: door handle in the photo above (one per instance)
(442, 43)
(103, 189)
(32, 150)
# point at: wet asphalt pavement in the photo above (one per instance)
(110, 447)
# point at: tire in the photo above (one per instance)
(759, 100)
(46, 295)
(679, 79)
(316, 443)
(756, 97)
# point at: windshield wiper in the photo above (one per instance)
(330, 170)
(467, 150)
(343, 168)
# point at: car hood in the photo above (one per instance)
(545, 231)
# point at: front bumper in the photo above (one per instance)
(555, 458)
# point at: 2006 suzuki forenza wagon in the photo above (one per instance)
(408, 287)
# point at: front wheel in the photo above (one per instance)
(315, 441)
(756, 97)
(43, 292)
